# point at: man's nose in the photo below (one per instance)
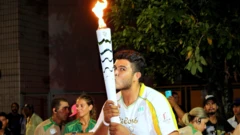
(116, 72)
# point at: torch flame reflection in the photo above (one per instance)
(98, 10)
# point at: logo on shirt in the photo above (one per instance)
(166, 117)
(141, 109)
(128, 121)
(53, 131)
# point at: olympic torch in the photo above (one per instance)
(106, 54)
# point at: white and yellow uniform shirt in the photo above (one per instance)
(150, 114)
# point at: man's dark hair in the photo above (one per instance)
(56, 102)
(30, 107)
(4, 115)
(134, 57)
(15, 104)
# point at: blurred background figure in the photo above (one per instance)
(235, 120)
(86, 116)
(23, 121)
(14, 119)
(178, 110)
(55, 124)
(217, 124)
(33, 120)
(195, 122)
(237, 130)
(4, 124)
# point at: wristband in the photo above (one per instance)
(105, 123)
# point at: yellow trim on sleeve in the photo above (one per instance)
(154, 117)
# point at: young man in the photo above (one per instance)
(142, 110)
(14, 119)
(216, 125)
(33, 120)
(4, 130)
(54, 125)
(235, 120)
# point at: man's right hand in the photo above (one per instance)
(118, 129)
(110, 110)
(172, 101)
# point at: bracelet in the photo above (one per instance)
(105, 123)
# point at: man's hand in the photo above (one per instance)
(110, 110)
(172, 101)
(118, 129)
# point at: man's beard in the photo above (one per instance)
(126, 85)
(14, 111)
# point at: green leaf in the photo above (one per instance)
(197, 51)
(148, 28)
(203, 61)
(125, 32)
(189, 65)
(193, 69)
(162, 26)
(199, 67)
(229, 55)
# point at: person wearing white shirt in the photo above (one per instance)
(235, 120)
(142, 110)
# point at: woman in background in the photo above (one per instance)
(86, 116)
(195, 122)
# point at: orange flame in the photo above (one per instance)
(98, 10)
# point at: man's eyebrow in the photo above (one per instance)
(65, 106)
(122, 66)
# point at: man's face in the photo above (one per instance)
(26, 111)
(176, 98)
(236, 110)
(210, 107)
(124, 75)
(14, 108)
(63, 111)
(4, 121)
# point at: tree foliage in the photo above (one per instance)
(181, 36)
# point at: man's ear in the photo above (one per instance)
(138, 75)
(54, 110)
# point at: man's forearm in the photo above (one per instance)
(178, 111)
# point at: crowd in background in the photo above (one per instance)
(206, 120)
(141, 111)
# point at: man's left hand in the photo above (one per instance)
(118, 129)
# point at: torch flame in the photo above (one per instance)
(98, 10)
